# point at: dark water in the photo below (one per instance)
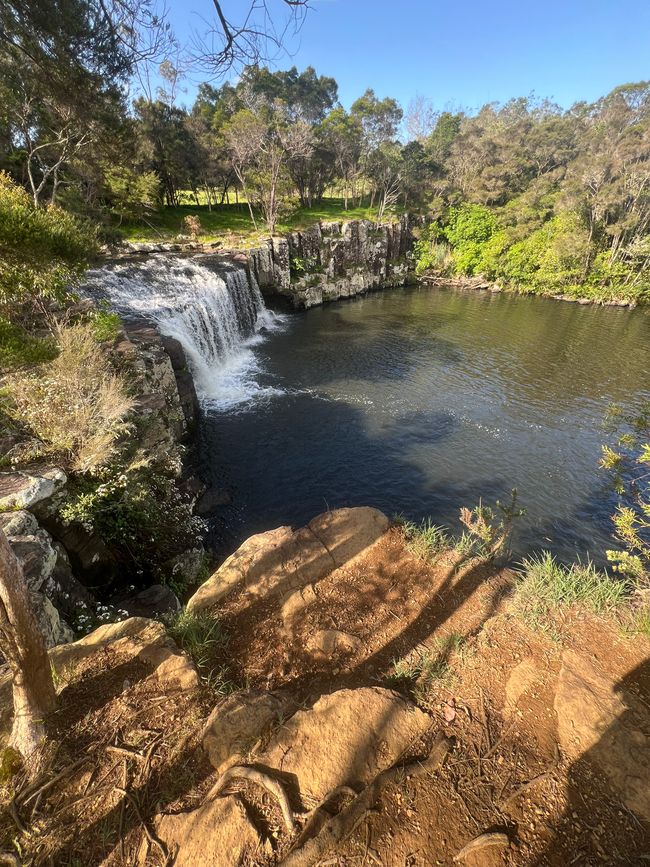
(419, 401)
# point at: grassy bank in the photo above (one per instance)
(233, 222)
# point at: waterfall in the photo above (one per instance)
(217, 317)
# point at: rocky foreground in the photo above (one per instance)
(367, 708)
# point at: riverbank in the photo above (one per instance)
(350, 700)
(482, 285)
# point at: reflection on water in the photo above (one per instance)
(421, 400)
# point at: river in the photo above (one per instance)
(421, 400)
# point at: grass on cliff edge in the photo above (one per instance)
(546, 586)
(234, 223)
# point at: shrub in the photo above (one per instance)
(432, 253)
(19, 349)
(488, 532)
(77, 404)
(43, 251)
(629, 462)
(140, 510)
(191, 225)
(106, 326)
(468, 228)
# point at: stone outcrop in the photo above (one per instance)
(23, 490)
(237, 723)
(346, 738)
(285, 560)
(57, 556)
(328, 261)
(607, 726)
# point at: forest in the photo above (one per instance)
(527, 194)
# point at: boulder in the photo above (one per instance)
(19, 523)
(606, 726)
(348, 532)
(136, 638)
(346, 738)
(284, 560)
(237, 723)
(22, 490)
(216, 834)
(37, 557)
(54, 630)
(295, 603)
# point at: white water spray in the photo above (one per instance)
(216, 318)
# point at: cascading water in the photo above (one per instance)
(218, 318)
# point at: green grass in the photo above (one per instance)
(106, 326)
(20, 349)
(425, 540)
(546, 586)
(226, 221)
(202, 637)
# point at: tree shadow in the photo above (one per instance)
(607, 817)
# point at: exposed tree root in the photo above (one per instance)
(254, 776)
(339, 827)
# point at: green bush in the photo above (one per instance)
(20, 349)
(469, 227)
(106, 326)
(43, 250)
(140, 510)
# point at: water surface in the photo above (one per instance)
(421, 400)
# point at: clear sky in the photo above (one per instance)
(461, 53)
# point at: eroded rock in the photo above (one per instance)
(284, 560)
(604, 725)
(326, 643)
(135, 638)
(22, 490)
(216, 834)
(346, 738)
(237, 723)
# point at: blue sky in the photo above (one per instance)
(461, 52)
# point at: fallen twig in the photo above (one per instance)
(151, 837)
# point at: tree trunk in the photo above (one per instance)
(24, 648)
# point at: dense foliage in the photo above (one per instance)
(43, 251)
(545, 200)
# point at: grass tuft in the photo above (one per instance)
(425, 540)
(546, 586)
(202, 637)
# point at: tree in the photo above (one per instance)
(63, 67)
(257, 33)
(385, 167)
(23, 647)
(421, 119)
(629, 462)
(261, 144)
(343, 135)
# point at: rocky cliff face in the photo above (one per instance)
(61, 559)
(328, 261)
